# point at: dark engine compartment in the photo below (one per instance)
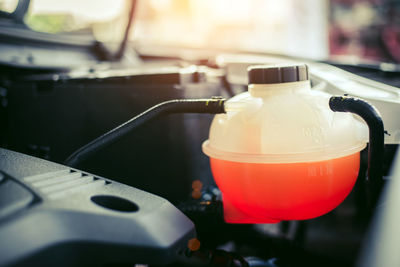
(89, 106)
(51, 115)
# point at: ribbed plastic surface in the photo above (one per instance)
(63, 183)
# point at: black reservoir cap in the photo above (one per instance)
(268, 74)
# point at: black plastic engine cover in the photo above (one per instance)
(51, 214)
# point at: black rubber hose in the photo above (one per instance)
(210, 106)
(376, 134)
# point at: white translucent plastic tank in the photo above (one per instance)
(279, 152)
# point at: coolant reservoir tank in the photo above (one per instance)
(279, 152)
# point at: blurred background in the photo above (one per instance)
(348, 30)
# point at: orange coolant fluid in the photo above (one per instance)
(279, 152)
(269, 193)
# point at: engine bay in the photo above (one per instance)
(150, 198)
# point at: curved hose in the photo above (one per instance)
(210, 106)
(376, 134)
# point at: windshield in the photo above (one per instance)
(104, 19)
(8, 6)
(317, 29)
(284, 26)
